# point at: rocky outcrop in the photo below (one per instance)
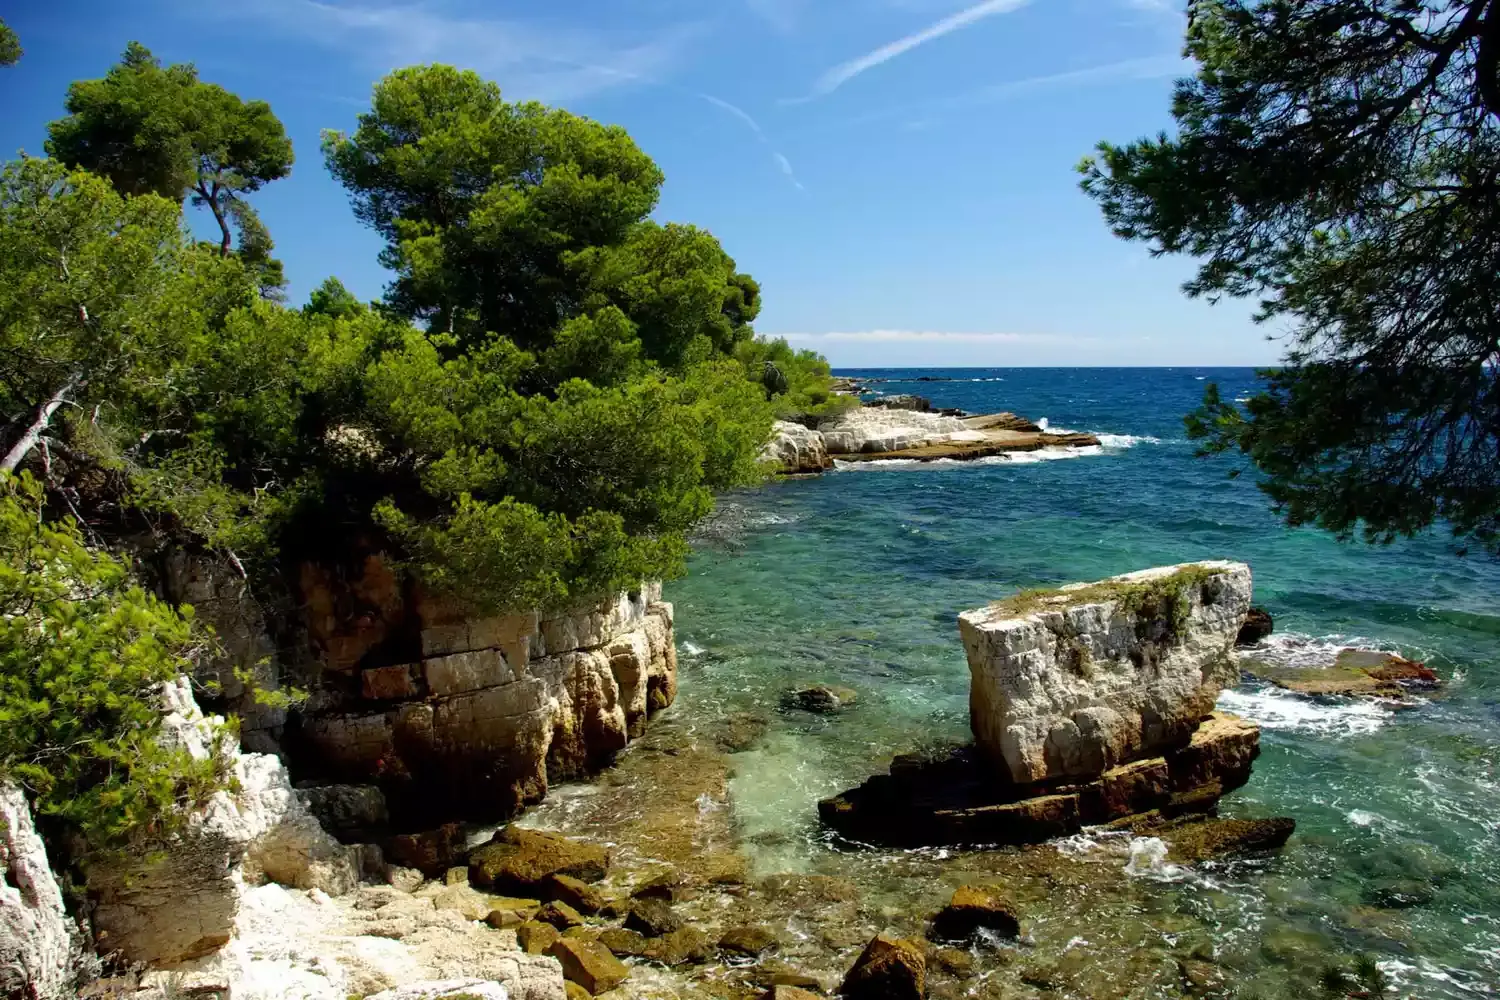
(177, 901)
(39, 944)
(487, 711)
(953, 797)
(1089, 704)
(974, 907)
(1258, 625)
(796, 449)
(1070, 683)
(870, 429)
(1353, 673)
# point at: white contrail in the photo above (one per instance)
(844, 72)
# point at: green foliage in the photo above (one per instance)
(332, 299)
(10, 45)
(162, 130)
(797, 383)
(82, 654)
(1337, 159)
(1164, 599)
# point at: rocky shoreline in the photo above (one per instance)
(907, 428)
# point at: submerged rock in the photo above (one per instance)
(1201, 838)
(652, 917)
(684, 946)
(788, 993)
(1069, 683)
(522, 861)
(1353, 673)
(973, 907)
(624, 943)
(748, 940)
(821, 699)
(1258, 625)
(888, 969)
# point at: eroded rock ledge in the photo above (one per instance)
(1089, 704)
(489, 711)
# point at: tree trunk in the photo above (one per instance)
(22, 448)
(211, 195)
(1487, 62)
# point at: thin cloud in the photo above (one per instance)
(930, 336)
(841, 74)
(529, 59)
(760, 134)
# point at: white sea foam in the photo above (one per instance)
(1276, 709)
(1295, 649)
(1148, 859)
(692, 649)
(1113, 442)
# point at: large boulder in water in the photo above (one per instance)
(888, 969)
(1069, 683)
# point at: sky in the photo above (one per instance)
(899, 175)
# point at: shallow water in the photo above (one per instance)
(855, 578)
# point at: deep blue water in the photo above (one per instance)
(856, 577)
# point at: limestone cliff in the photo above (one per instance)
(463, 718)
(40, 948)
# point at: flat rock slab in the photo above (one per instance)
(988, 442)
(1353, 673)
(952, 797)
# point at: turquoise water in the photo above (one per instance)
(856, 577)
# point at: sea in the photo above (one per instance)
(856, 578)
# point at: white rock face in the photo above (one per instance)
(1071, 684)
(180, 902)
(870, 429)
(38, 945)
(797, 449)
(294, 945)
(468, 989)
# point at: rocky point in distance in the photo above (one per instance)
(1090, 704)
(906, 427)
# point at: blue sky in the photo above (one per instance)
(898, 174)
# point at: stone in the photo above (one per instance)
(431, 852)
(536, 937)
(446, 989)
(1201, 838)
(788, 993)
(652, 917)
(589, 964)
(520, 860)
(393, 683)
(974, 907)
(463, 900)
(168, 906)
(576, 992)
(670, 886)
(559, 915)
(1067, 684)
(888, 969)
(349, 812)
(404, 879)
(771, 973)
(684, 946)
(951, 796)
(39, 945)
(954, 961)
(821, 699)
(1258, 625)
(623, 942)
(456, 875)
(574, 892)
(740, 731)
(1353, 673)
(747, 940)
(796, 450)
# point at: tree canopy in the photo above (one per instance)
(10, 45)
(1338, 159)
(161, 130)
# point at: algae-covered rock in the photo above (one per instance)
(973, 907)
(652, 917)
(623, 942)
(589, 964)
(747, 940)
(559, 915)
(1353, 673)
(520, 860)
(574, 892)
(821, 699)
(536, 937)
(686, 945)
(889, 968)
(788, 993)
